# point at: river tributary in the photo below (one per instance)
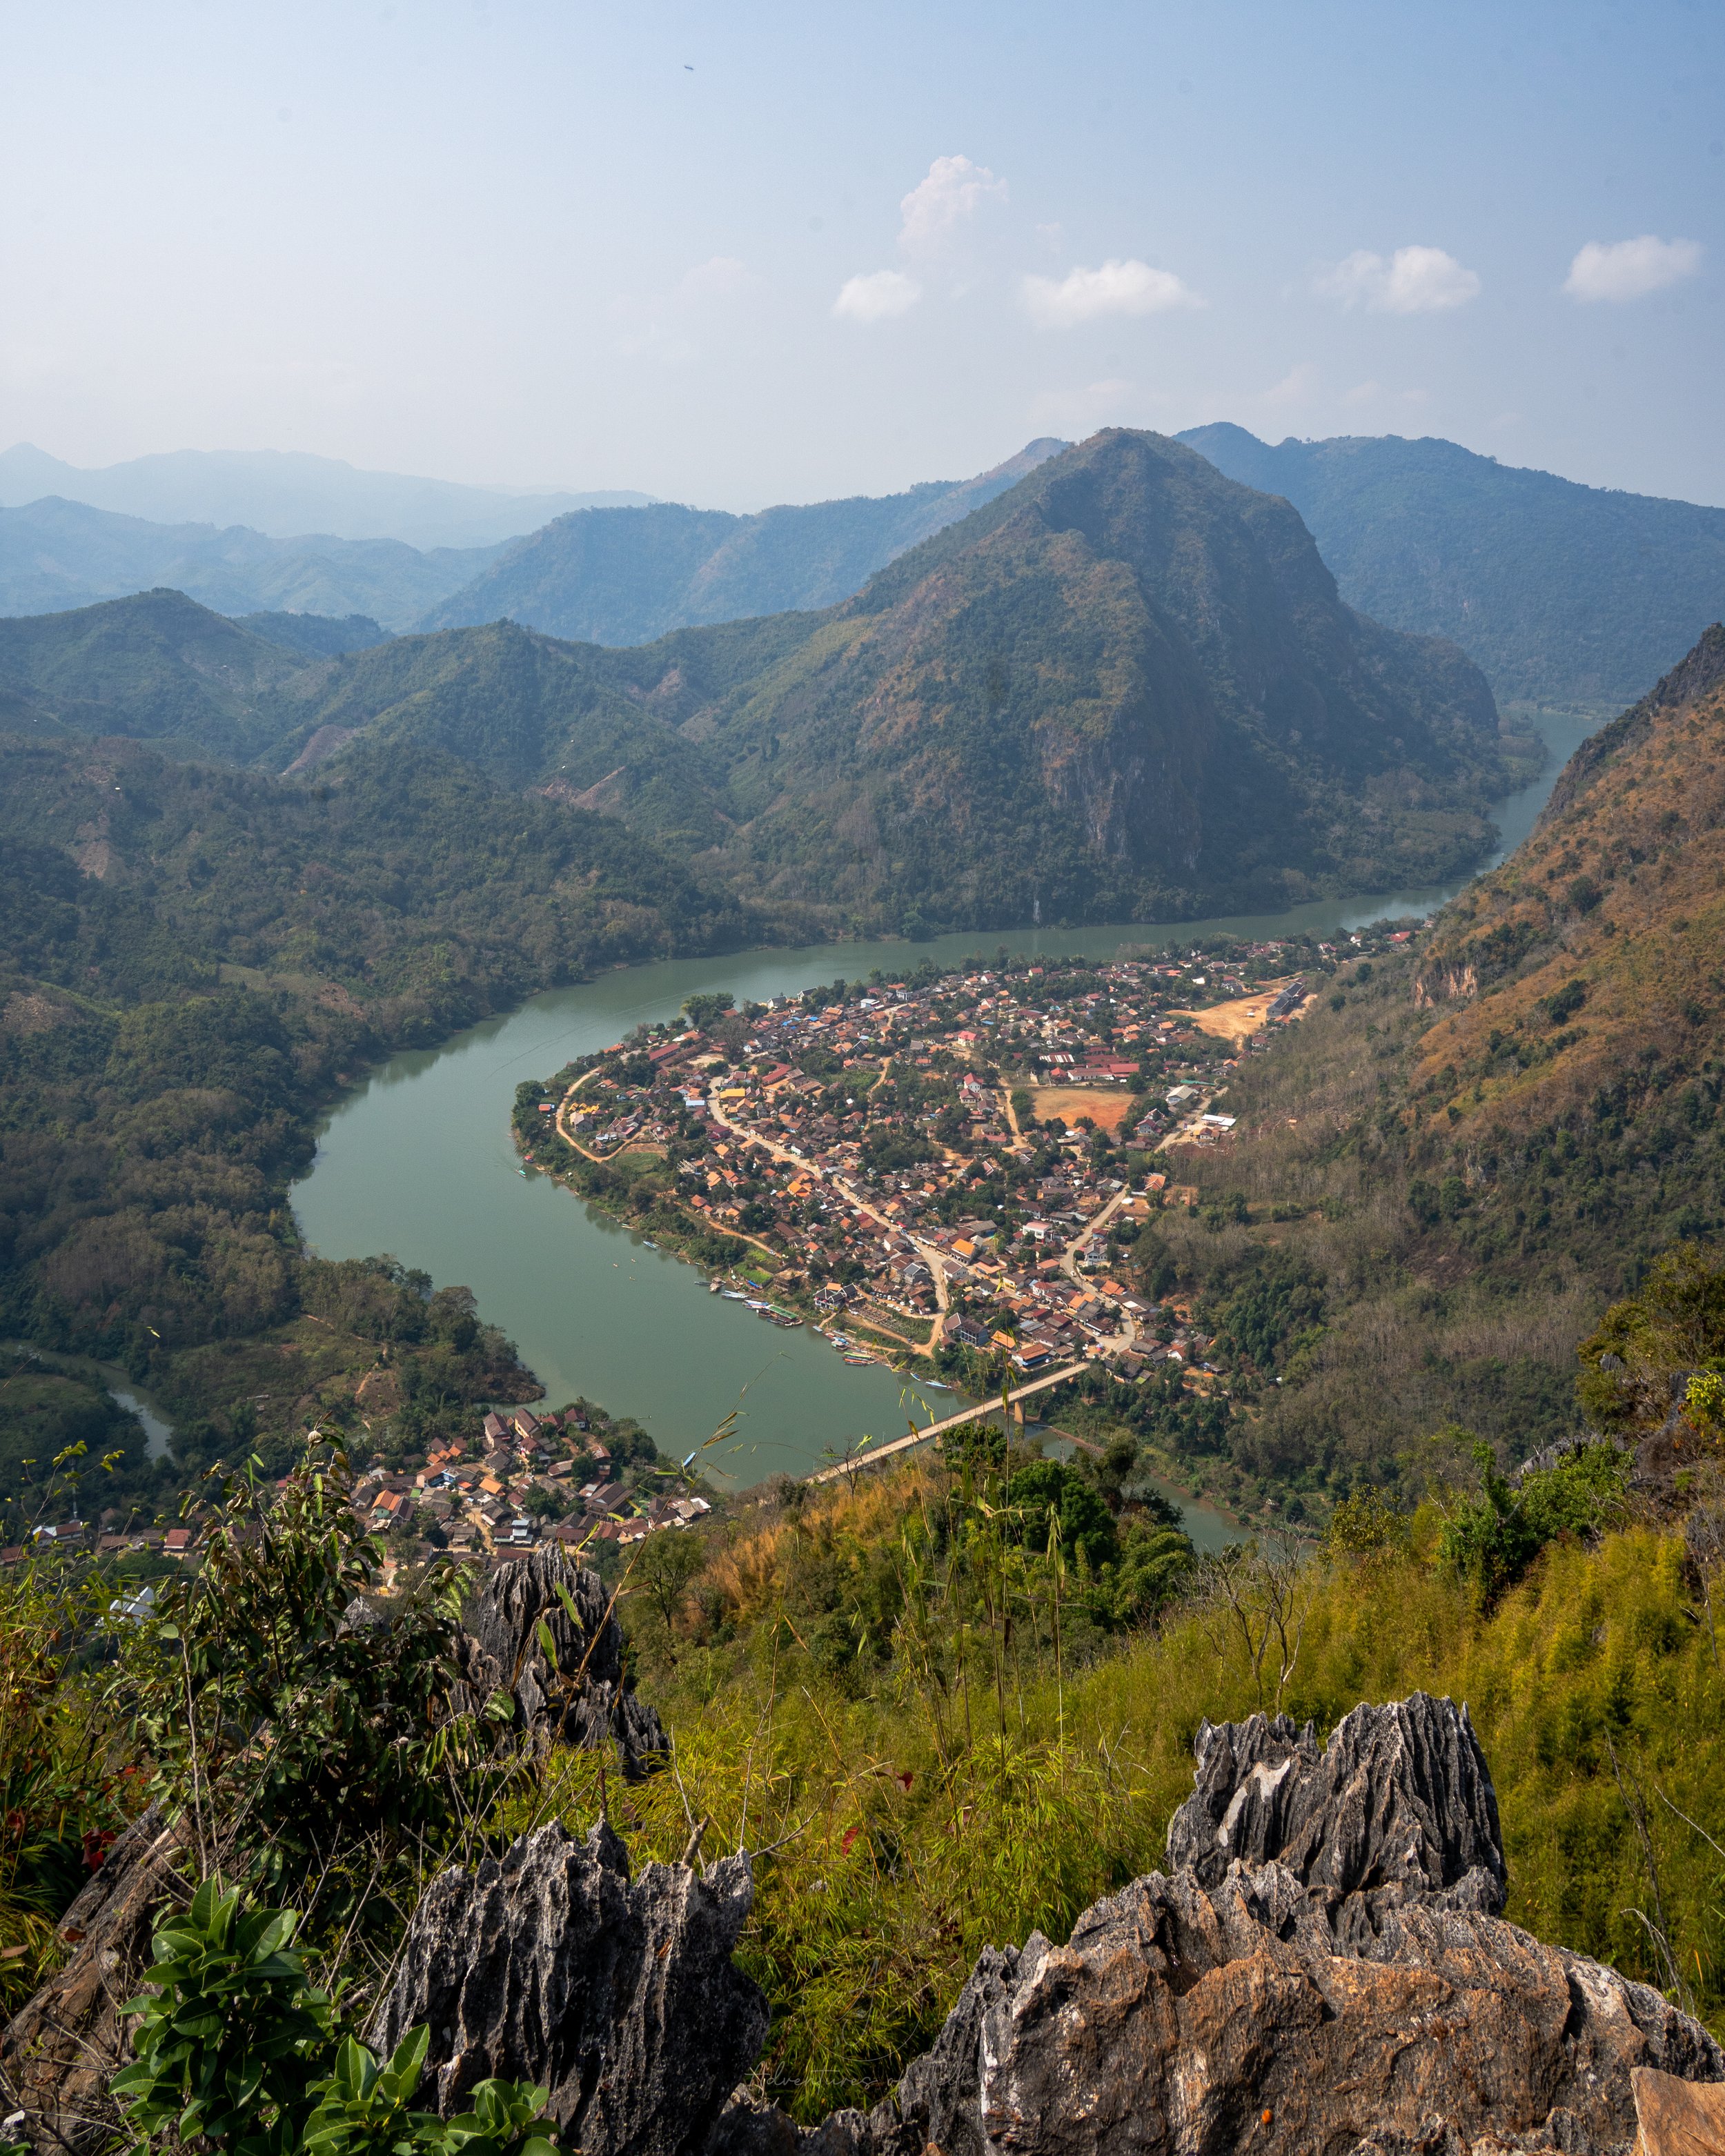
(419, 1162)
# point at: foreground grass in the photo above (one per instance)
(911, 1821)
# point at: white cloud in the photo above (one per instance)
(1414, 280)
(1630, 269)
(939, 209)
(1117, 288)
(876, 298)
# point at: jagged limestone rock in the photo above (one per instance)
(1399, 1801)
(620, 1998)
(1179, 2018)
(1324, 1973)
(583, 1694)
(1675, 2117)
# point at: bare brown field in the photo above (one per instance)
(1107, 1106)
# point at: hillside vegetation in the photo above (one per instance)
(1562, 594)
(925, 1702)
(56, 554)
(195, 960)
(614, 568)
(1464, 1155)
(1125, 688)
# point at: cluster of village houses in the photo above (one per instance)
(801, 1163)
(531, 1478)
(803, 1140)
(520, 1479)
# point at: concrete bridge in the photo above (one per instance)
(911, 1438)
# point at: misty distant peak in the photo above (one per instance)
(289, 493)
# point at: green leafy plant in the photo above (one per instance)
(234, 2049)
(364, 2108)
(1491, 1539)
(231, 2034)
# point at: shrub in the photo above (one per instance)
(254, 1697)
(236, 2051)
(1491, 1539)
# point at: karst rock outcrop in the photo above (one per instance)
(61, 2049)
(577, 1694)
(618, 1996)
(1323, 1971)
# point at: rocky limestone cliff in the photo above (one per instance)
(59, 2050)
(1324, 1971)
(1399, 1803)
(1323, 1974)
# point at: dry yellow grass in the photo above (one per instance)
(748, 1574)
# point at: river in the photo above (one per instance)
(419, 1162)
(120, 1386)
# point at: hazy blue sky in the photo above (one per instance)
(740, 253)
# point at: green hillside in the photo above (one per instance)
(1436, 1186)
(1562, 594)
(1125, 688)
(156, 667)
(629, 576)
(195, 960)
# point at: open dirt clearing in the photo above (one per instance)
(1108, 1107)
(1236, 1021)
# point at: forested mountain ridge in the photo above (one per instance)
(1440, 1184)
(155, 666)
(1562, 594)
(1126, 689)
(626, 577)
(1578, 993)
(618, 569)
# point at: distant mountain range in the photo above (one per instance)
(611, 578)
(283, 492)
(610, 575)
(1562, 594)
(1123, 689)
(55, 554)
